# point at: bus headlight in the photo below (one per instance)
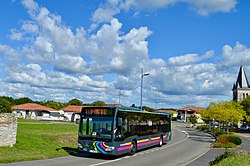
(109, 149)
(80, 146)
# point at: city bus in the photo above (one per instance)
(121, 130)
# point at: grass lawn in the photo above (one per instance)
(242, 160)
(21, 120)
(40, 141)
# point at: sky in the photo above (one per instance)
(95, 50)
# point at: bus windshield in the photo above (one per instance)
(97, 128)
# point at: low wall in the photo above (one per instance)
(8, 129)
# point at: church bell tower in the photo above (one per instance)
(241, 88)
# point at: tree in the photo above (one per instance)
(5, 106)
(193, 119)
(75, 102)
(9, 99)
(248, 119)
(98, 103)
(148, 109)
(23, 100)
(246, 105)
(133, 105)
(225, 112)
(210, 114)
(52, 104)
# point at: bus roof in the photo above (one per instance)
(128, 109)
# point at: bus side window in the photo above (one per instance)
(121, 131)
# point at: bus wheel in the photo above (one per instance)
(133, 148)
(161, 141)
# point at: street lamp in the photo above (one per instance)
(142, 75)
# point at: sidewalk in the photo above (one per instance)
(213, 152)
(245, 141)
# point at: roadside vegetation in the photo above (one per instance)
(221, 121)
(7, 102)
(225, 114)
(41, 141)
(232, 159)
(223, 140)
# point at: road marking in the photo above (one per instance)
(106, 162)
(195, 158)
(177, 142)
(126, 157)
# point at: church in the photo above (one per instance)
(241, 88)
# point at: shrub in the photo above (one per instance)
(217, 132)
(223, 139)
(203, 128)
(235, 139)
(226, 145)
(221, 157)
(5, 106)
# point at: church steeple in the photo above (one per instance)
(241, 88)
(242, 81)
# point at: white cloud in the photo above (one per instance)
(71, 64)
(148, 4)
(108, 50)
(33, 75)
(107, 11)
(63, 63)
(189, 58)
(16, 35)
(232, 56)
(105, 14)
(30, 4)
(212, 6)
(11, 54)
(29, 27)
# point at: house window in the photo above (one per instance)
(243, 95)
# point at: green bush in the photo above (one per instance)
(217, 132)
(203, 128)
(224, 145)
(235, 139)
(220, 158)
(5, 106)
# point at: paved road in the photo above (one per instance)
(186, 146)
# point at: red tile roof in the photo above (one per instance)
(32, 107)
(191, 107)
(72, 108)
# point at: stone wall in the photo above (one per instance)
(8, 129)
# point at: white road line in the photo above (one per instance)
(106, 162)
(176, 142)
(111, 161)
(195, 158)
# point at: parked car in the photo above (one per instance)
(244, 128)
(214, 126)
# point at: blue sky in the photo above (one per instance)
(92, 50)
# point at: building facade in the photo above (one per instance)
(185, 112)
(36, 111)
(72, 112)
(241, 88)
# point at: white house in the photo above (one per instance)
(185, 112)
(36, 111)
(72, 112)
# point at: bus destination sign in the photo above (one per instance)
(98, 112)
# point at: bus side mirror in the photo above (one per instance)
(119, 122)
